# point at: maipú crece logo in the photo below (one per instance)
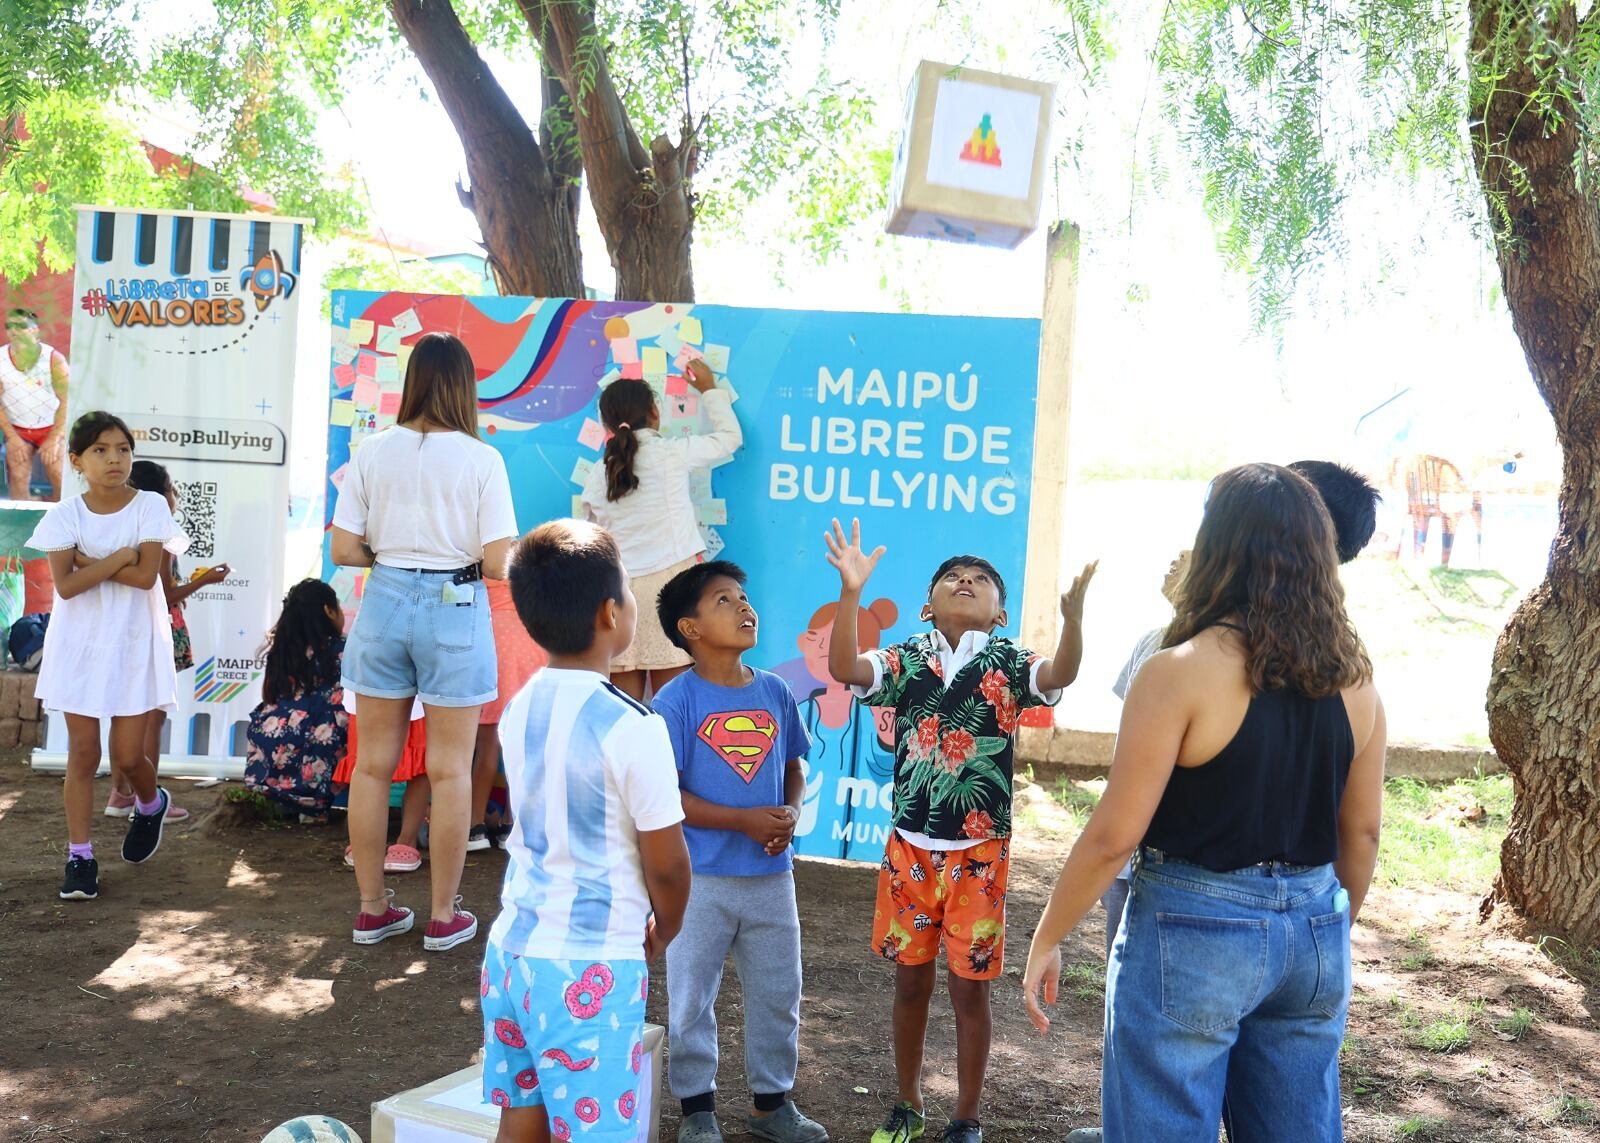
(223, 680)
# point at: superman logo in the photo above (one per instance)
(741, 738)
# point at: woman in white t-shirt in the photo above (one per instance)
(427, 506)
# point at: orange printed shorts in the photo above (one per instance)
(958, 895)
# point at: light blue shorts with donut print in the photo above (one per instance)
(568, 1036)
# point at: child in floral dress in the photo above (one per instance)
(297, 735)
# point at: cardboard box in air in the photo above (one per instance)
(973, 157)
(451, 1109)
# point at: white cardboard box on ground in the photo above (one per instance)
(973, 156)
(451, 1109)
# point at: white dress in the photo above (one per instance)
(108, 651)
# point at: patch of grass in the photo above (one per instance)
(1078, 801)
(1482, 588)
(1518, 1024)
(1580, 962)
(1420, 1127)
(1085, 979)
(1569, 1109)
(1429, 841)
(1444, 1036)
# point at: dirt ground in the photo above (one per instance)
(215, 992)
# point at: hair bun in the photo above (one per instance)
(884, 611)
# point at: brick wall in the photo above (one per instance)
(20, 717)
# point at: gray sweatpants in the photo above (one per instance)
(754, 918)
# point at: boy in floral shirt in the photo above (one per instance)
(958, 692)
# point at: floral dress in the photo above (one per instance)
(294, 746)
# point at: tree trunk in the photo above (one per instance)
(526, 202)
(1544, 693)
(641, 199)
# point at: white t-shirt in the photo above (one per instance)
(655, 525)
(1147, 646)
(587, 769)
(426, 500)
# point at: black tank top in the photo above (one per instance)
(1271, 794)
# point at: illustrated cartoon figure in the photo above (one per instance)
(848, 740)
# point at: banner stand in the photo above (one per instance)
(186, 326)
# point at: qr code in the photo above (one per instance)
(197, 516)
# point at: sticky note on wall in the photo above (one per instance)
(581, 471)
(689, 330)
(655, 361)
(716, 356)
(592, 434)
(342, 413)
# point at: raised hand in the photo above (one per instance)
(855, 566)
(1072, 599)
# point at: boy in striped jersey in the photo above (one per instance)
(598, 872)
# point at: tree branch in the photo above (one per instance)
(524, 201)
(1551, 241)
(613, 156)
(471, 96)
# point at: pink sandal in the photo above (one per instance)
(396, 859)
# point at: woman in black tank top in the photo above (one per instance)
(1247, 785)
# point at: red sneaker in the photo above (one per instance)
(458, 930)
(372, 928)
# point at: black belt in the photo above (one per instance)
(470, 574)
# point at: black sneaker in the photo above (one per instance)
(477, 839)
(963, 1131)
(82, 882)
(144, 832)
(498, 835)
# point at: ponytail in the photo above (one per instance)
(626, 406)
(620, 451)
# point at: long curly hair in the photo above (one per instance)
(1265, 560)
(303, 650)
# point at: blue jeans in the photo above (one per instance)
(408, 640)
(1114, 901)
(1227, 986)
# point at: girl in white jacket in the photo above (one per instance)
(640, 494)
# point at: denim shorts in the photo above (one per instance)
(408, 641)
(1227, 990)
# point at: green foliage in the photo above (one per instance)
(364, 268)
(73, 152)
(1429, 840)
(1517, 1025)
(71, 73)
(1287, 108)
(1444, 1036)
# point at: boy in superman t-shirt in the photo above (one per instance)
(738, 740)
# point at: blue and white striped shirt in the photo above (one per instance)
(588, 769)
